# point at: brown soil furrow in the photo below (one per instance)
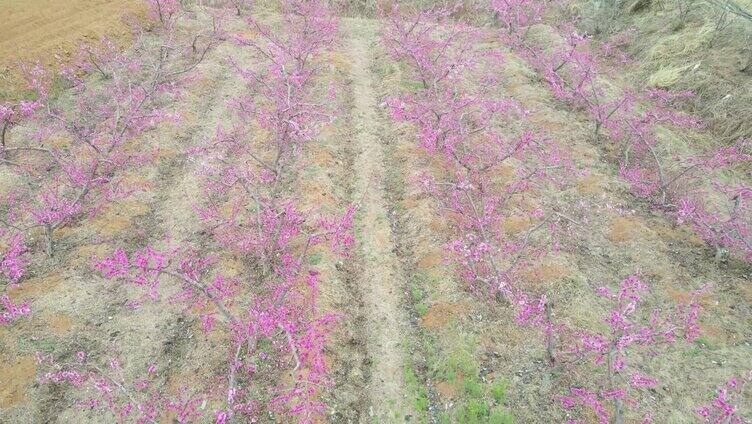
(38, 30)
(331, 189)
(381, 274)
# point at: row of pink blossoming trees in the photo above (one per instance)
(68, 153)
(694, 189)
(270, 314)
(699, 190)
(469, 129)
(65, 153)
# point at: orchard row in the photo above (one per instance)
(271, 320)
(460, 122)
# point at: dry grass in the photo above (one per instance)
(682, 45)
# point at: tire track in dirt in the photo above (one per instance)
(381, 273)
(332, 190)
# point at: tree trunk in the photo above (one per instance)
(2, 135)
(48, 240)
(748, 69)
(639, 5)
(618, 402)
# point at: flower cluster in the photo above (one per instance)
(628, 333)
(724, 407)
(107, 388)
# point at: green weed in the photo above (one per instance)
(416, 292)
(419, 392)
(500, 416)
(499, 391)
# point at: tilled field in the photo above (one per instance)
(38, 30)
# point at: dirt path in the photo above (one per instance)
(380, 279)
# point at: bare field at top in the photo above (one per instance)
(32, 30)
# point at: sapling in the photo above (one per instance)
(458, 124)
(14, 113)
(613, 352)
(62, 182)
(280, 94)
(93, 58)
(632, 120)
(263, 223)
(7, 120)
(13, 257)
(11, 115)
(11, 311)
(164, 11)
(278, 312)
(14, 260)
(517, 17)
(251, 180)
(447, 121)
(240, 5)
(536, 311)
(725, 226)
(141, 400)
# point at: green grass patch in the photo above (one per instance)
(499, 391)
(315, 258)
(459, 362)
(704, 343)
(480, 402)
(499, 415)
(473, 388)
(416, 292)
(473, 412)
(27, 346)
(412, 86)
(418, 391)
